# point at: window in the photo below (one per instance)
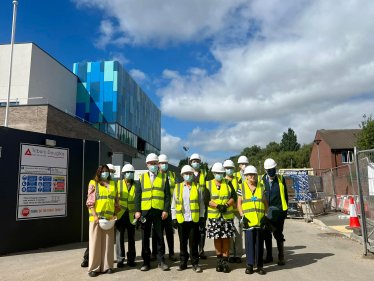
(347, 156)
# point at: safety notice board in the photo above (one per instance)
(43, 182)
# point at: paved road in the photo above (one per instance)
(311, 254)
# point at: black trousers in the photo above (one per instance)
(85, 256)
(254, 246)
(189, 234)
(166, 225)
(202, 230)
(153, 216)
(122, 225)
(278, 233)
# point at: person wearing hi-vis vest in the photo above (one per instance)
(253, 208)
(236, 242)
(187, 210)
(220, 196)
(126, 217)
(242, 162)
(167, 224)
(277, 198)
(102, 201)
(200, 178)
(152, 203)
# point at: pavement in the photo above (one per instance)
(332, 220)
(312, 252)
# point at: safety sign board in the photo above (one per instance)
(43, 182)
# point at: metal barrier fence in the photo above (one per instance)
(365, 182)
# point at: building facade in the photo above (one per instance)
(113, 102)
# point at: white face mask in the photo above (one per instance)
(243, 167)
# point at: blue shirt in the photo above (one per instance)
(272, 192)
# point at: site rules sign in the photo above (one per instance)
(43, 182)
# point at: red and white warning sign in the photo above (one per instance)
(28, 152)
(25, 212)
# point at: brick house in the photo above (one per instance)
(335, 150)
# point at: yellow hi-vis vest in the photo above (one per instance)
(253, 205)
(282, 193)
(126, 199)
(220, 197)
(194, 202)
(238, 175)
(153, 197)
(172, 183)
(202, 183)
(236, 184)
(104, 200)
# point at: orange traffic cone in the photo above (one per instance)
(354, 222)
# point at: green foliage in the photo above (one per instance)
(289, 141)
(184, 162)
(365, 139)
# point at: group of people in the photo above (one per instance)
(221, 208)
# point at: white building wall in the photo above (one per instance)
(20, 72)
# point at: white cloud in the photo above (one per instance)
(139, 76)
(120, 57)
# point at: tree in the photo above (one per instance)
(365, 139)
(289, 141)
(184, 162)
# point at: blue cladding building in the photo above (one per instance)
(114, 103)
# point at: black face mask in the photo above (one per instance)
(271, 173)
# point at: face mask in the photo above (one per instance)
(164, 167)
(271, 173)
(187, 178)
(243, 167)
(219, 177)
(153, 168)
(129, 176)
(195, 166)
(104, 175)
(112, 175)
(230, 172)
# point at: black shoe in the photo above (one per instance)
(268, 259)
(153, 257)
(249, 269)
(202, 255)
(219, 267)
(131, 263)
(93, 274)
(84, 263)
(261, 271)
(109, 271)
(232, 260)
(238, 260)
(163, 266)
(145, 267)
(226, 268)
(172, 257)
(197, 268)
(182, 266)
(280, 245)
(281, 261)
(120, 264)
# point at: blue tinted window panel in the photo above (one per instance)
(115, 65)
(108, 111)
(81, 109)
(108, 71)
(75, 68)
(81, 92)
(101, 107)
(114, 101)
(87, 116)
(95, 91)
(82, 71)
(88, 84)
(108, 91)
(115, 81)
(102, 81)
(94, 113)
(88, 67)
(95, 72)
(101, 66)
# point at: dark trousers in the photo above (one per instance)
(202, 230)
(153, 216)
(122, 225)
(166, 225)
(189, 234)
(85, 256)
(278, 233)
(254, 246)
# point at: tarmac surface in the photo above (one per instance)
(312, 253)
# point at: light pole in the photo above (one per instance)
(188, 158)
(15, 3)
(291, 156)
(319, 161)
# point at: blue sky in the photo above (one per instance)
(225, 74)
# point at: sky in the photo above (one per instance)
(225, 74)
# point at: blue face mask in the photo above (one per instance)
(195, 166)
(104, 175)
(164, 167)
(219, 177)
(129, 176)
(112, 175)
(230, 172)
(187, 178)
(153, 168)
(271, 173)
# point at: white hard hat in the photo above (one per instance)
(218, 168)
(151, 157)
(228, 164)
(163, 158)
(195, 156)
(186, 168)
(243, 160)
(128, 168)
(111, 167)
(106, 224)
(269, 164)
(250, 170)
